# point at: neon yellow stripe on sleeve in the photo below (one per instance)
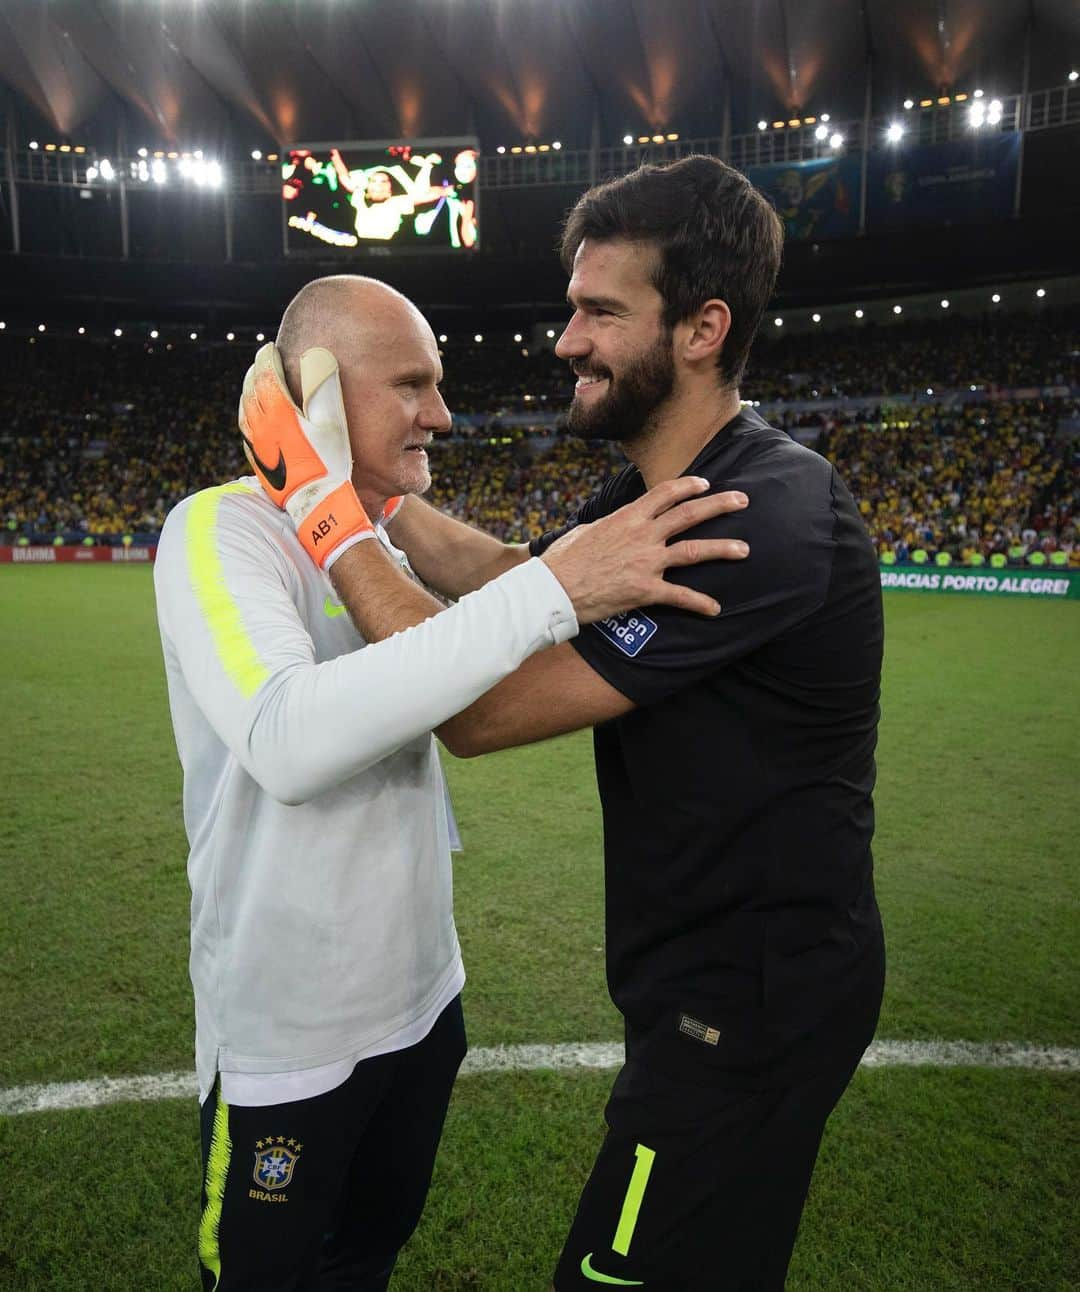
(234, 647)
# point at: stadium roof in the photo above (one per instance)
(246, 73)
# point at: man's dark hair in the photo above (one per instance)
(716, 235)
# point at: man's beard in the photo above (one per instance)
(624, 412)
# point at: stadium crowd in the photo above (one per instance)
(99, 441)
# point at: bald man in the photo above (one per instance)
(324, 959)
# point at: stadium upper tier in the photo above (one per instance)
(100, 440)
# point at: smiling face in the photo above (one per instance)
(616, 343)
(379, 187)
(390, 374)
(465, 166)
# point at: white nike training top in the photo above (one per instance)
(321, 922)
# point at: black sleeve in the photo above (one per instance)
(621, 488)
(655, 651)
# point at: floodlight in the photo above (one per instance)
(944, 305)
(260, 336)
(822, 132)
(256, 154)
(996, 298)
(1041, 293)
(478, 337)
(517, 337)
(551, 333)
(41, 327)
(816, 318)
(858, 314)
(836, 141)
(778, 322)
(761, 125)
(442, 338)
(909, 104)
(118, 331)
(628, 139)
(898, 309)
(895, 132)
(993, 115)
(230, 336)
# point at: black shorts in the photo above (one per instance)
(697, 1186)
(323, 1192)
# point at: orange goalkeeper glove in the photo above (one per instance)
(303, 459)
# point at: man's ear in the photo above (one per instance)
(706, 331)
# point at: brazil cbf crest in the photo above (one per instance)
(275, 1161)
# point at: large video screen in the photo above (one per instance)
(420, 195)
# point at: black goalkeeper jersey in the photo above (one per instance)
(742, 929)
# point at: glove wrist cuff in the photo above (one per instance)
(335, 518)
(391, 508)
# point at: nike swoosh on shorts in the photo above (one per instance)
(597, 1277)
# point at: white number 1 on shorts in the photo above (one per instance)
(635, 1191)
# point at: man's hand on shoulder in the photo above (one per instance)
(617, 563)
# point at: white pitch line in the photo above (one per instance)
(64, 1095)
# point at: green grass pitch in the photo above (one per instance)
(929, 1179)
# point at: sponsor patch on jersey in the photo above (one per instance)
(275, 1161)
(629, 631)
(698, 1030)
